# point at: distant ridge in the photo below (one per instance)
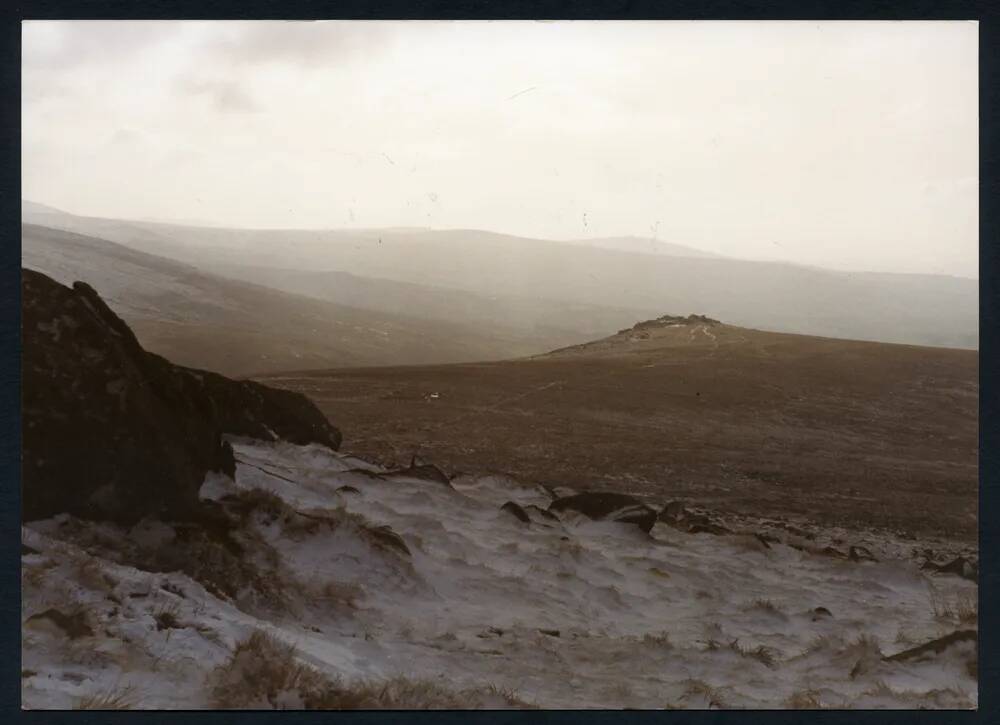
(597, 288)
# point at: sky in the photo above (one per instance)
(851, 145)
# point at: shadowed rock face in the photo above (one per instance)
(111, 431)
(243, 407)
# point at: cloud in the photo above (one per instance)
(57, 45)
(227, 96)
(302, 43)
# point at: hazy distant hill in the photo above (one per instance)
(204, 320)
(916, 309)
(644, 245)
(537, 319)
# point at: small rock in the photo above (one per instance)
(830, 551)
(517, 511)
(672, 512)
(550, 632)
(820, 613)
(386, 536)
(767, 539)
(860, 553)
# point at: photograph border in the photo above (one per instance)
(10, 371)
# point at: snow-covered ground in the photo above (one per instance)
(563, 613)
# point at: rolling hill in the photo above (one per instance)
(851, 433)
(238, 328)
(642, 277)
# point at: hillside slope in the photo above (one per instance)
(237, 328)
(734, 418)
(470, 607)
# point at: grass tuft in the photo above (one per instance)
(765, 655)
(266, 673)
(115, 698)
(803, 700)
(763, 605)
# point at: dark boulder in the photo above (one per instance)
(606, 505)
(517, 511)
(111, 431)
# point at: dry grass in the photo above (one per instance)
(866, 643)
(660, 639)
(866, 652)
(266, 673)
(698, 688)
(92, 574)
(114, 698)
(166, 616)
(949, 698)
(257, 500)
(803, 700)
(226, 569)
(342, 594)
(763, 605)
(765, 655)
(263, 672)
(964, 609)
(822, 643)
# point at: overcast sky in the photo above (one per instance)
(851, 145)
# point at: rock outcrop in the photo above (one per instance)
(606, 505)
(111, 431)
(670, 321)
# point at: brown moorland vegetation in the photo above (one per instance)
(749, 422)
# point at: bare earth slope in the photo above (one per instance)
(747, 422)
(238, 328)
